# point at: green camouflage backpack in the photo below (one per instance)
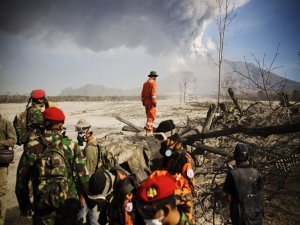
(126, 151)
(52, 179)
(20, 125)
(105, 158)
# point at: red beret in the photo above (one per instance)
(54, 114)
(39, 93)
(156, 188)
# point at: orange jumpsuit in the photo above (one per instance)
(149, 100)
(183, 191)
(183, 168)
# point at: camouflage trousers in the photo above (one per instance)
(64, 215)
(39, 220)
(3, 191)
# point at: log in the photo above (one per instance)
(251, 131)
(235, 101)
(284, 99)
(200, 148)
(129, 128)
(138, 129)
(210, 113)
(223, 107)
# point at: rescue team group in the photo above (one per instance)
(59, 183)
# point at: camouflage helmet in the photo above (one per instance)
(241, 152)
(82, 124)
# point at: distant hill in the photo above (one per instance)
(204, 82)
(255, 74)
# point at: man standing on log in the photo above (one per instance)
(148, 97)
(242, 189)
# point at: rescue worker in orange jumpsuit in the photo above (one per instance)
(113, 191)
(176, 160)
(148, 97)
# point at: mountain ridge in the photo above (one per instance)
(199, 84)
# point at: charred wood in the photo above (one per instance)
(209, 117)
(235, 101)
(137, 128)
(251, 131)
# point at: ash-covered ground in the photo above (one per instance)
(282, 209)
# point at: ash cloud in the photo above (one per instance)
(101, 25)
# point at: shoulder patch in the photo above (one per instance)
(128, 207)
(190, 173)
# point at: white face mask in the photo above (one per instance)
(155, 221)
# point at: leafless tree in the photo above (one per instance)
(194, 87)
(224, 17)
(262, 78)
(184, 83)
(228, 82)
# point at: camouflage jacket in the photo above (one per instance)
(8, 136)
(35, 120)
(75, 160)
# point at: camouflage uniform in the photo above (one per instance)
(75, 161)
(7, 139)
(34, 121)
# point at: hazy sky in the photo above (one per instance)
(57, 44)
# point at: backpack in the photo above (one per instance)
(20, 125)
(126, 151)
(249, 200)
(122, 187)
(52, 179)
(105, 158)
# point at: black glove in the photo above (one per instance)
(154, 104)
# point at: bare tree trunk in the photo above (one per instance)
(138, 129)
(184, 93)
(235, 101)
(251, 131)
(224, 18)
(210, 113)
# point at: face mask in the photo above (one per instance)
(81, 138)
(155, 221)
(166, 152)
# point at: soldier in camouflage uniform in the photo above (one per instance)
(92, 153)
(74, 161)
(7, 139)
(34, 117)
(156, 202)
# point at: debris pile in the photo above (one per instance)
(271, 129)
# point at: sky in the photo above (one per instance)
(58, 44)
